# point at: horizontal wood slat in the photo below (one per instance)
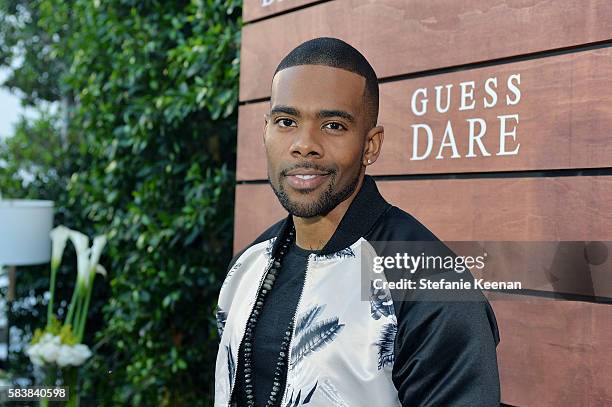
(563, 119)
(568, 267)
(525, 209)
(256, 9)
(400, 37)
(520, 209)
(554, 353)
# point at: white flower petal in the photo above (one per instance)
(81, 245)
(33, 352)
(96, 250)
(64, 356)
(79, 240)
(59, 236)
(48, 352)
(101, 270)
(74, 355)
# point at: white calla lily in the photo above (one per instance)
(83, 268)
(59, 237)
(87, 267)
(96, 250)
(81, 246)
(79, 240)
(87, 258)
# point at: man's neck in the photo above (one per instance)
(314, 233)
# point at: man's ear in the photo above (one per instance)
(374, 141)
(265, 127)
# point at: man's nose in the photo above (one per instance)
(306, 142)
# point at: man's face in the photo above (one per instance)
(315, 137)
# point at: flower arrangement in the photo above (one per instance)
(58, 347)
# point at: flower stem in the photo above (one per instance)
(83, 317)
(75, 297)
(71, 379)
(54, 267)
(49, 381)
(77, 316)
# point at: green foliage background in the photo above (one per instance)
(135, 137)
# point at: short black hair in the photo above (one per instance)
(336, 53)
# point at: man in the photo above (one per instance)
(294, 329)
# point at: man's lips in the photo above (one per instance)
(306, 171)
(303, 179)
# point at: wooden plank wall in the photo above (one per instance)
(528, 129)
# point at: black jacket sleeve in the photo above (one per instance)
(445, 350)
(445, 354)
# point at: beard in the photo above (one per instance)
(327, 200)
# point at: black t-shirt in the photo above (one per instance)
(278, 311)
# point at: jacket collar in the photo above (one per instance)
(360, 217)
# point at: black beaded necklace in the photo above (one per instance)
(267, 285)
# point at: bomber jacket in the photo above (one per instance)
(350, 352)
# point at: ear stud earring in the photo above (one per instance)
(369, 161)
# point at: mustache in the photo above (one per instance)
(308, 165)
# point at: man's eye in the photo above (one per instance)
(284, 122)
(335, 126)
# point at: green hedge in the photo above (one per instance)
(142, 148)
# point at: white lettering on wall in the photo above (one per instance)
(477, 139)
(423, 110)
(491, 92)
(415, 141)
(514, 89)
(448, 141)
(471, 134)
(465, 94)
(503, 133)
(439, 108)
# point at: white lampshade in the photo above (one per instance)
(24, 231)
